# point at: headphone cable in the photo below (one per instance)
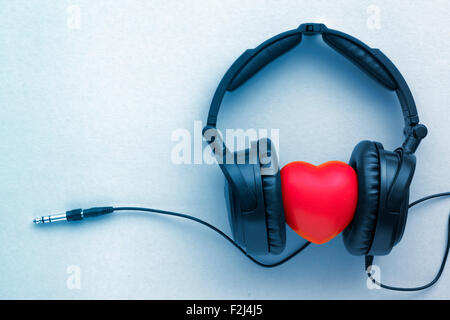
(369, 259)
(79, 214)
(220, 232)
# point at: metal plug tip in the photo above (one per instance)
(37, 220)
(51, 218)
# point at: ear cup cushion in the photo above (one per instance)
(273, 201)
(358, 236)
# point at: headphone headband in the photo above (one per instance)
(371, 61)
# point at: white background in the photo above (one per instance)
(88, 110)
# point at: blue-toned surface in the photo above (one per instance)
(88, 107)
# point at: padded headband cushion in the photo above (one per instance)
(255, 59)
(362, 56)
(273, 202)
(358, 236)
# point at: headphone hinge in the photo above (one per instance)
(414, 135)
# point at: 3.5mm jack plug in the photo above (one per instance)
(74, 215)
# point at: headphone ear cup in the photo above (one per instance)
(276, 224)
(273, 201)
(397, 171)
(358, 236)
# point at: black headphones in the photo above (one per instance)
(253, 184)
(254, 198)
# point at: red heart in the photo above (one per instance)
(319, 201)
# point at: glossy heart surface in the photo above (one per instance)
(319, 201)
